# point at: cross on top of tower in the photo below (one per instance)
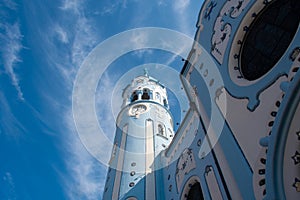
(146, 72)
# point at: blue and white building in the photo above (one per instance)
(144, 129)
(240, 138)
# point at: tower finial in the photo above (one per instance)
(146, 72)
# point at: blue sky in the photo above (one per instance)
(42, 46)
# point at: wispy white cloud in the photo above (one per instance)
(87, 181)
(84, 35)
(183, 50)
(11, 45)
(68, 41)
(180, 8)
(61, 33)
(110, 9)
(142, 52)
(113, 7)
(9, 125)
(85, 40)
(180, 5)
(73, 5)
(87, 177)
(104, 97)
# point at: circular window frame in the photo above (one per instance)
(234, 61)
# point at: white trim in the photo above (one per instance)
(212, 184)
(150, 178)
(117, 181)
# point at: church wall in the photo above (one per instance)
(247, 99)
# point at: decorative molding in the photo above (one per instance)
(185, 164)
(212, 183)
(222, 28)
(209, 9)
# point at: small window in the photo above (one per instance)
(165, 103)
(157, 96)
(170, 188)
(161, 130)
(114, 151)
(131, 184)
(132, 173)
(146, 94)
(134, 96)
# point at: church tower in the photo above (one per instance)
(144, 129)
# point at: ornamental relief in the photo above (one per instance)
(222, 29)
(185, 164)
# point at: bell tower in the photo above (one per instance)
(144, 129)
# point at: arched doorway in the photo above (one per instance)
(192, 190)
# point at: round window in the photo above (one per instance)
(268, 37)
(131, 184)
(132, 173)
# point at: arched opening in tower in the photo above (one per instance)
(146, 95)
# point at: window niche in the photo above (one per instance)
(192, 189)
(165, 103)
(161, 129)
(134, 96)
(157, 96)
(195, 192)
(146, 94)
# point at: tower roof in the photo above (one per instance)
(145, 87)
